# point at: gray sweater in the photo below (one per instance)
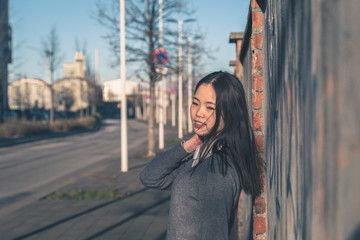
(203, 202)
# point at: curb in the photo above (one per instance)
(11, 141)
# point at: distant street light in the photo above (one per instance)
(180, 75)
(173, 100)
(96, 66)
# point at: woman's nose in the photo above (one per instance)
(200, 112)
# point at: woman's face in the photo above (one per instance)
(202, 110)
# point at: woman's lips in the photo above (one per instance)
(198, 125)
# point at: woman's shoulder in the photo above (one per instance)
(222, 165)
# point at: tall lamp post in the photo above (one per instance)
(173, 100)
(190, 82)
(180, 87)
(161, 95)
(124, 148)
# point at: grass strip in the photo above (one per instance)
(79, 194)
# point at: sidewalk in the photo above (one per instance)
(140, 215)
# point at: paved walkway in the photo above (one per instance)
(140, 215)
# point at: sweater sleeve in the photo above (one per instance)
(163, 169)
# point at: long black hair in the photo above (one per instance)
(235, 141)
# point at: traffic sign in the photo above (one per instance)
(173, 90)
(160, 56)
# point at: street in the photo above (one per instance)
(87, 161)
(29, 171)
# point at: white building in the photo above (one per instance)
(29, 93)
(76, 68)
(112, 90)
(71, 94)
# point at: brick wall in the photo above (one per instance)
(257, 33)
(301, 71)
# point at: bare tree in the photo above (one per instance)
(53, 57)
(142, 32)
(51, 48)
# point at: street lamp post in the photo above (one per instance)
(173, 100)
(96, 66)
(180, 87)
(190, 126)
(124, 150)
(161, 94)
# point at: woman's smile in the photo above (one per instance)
(198, 124)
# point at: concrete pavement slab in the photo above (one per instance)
(141, 215)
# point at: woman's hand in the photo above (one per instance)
(191, 144)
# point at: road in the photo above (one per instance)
(29, 171)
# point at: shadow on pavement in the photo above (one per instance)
(52, 225)
(139, 213)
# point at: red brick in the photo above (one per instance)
(238, 44)
(260, 166)
(257, 98)
(259, 141)
(259, 225)
(257, 58)
(256, 41)
(238, 68)
(260, 205)
(258, 83)
(254, 4)
(260, 200)
(330, 85)
(262, 184)
(257, 121)
(256, 19)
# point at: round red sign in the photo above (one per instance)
(160, 56)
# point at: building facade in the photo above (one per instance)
(73, 93)
(5, 56)
(237, 38)
(76, 68)
(29, 93)
(112, 90)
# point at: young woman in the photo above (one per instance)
(207, 172)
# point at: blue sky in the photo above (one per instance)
(32, 20)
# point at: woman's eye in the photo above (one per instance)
(211, 108)
(194, 103)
